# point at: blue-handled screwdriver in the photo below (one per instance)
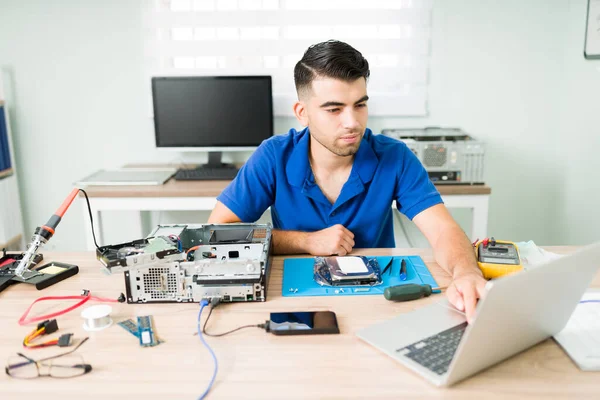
(412, 291)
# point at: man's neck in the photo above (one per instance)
(323, 160)
(329, 170)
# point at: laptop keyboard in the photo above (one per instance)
(436, 352)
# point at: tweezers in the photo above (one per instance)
(389, 265)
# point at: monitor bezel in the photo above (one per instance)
(195, 148)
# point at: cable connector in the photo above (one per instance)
(50, 326)
(64, 340)
(266, 326)
(215, 301)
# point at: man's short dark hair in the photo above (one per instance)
(331, 59)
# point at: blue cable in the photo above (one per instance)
(589, 301)
(203, 304)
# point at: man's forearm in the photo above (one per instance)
(454, 252)
(289, 242)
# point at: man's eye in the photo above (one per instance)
(332, 110)
(361, 105)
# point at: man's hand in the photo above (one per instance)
(465, 290)
(333, 240)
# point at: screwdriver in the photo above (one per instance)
(412, 291)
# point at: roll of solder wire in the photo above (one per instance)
(97, 317)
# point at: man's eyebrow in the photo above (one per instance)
(339, 104)
(331, 104)
(362, 99)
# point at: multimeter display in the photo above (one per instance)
(501, 253)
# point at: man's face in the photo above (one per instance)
(336, 113)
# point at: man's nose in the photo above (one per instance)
(350, 119)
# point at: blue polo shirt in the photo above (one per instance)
(278, 175)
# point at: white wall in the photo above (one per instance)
(579, 140)
(510, 73)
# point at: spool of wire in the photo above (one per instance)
(97, 317)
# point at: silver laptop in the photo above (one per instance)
(517, 312)
(128, 176)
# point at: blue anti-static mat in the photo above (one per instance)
(298, 277)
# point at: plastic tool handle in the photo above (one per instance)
(408, 292)
(47, 230)
(403, 270)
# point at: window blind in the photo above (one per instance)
(268, 37)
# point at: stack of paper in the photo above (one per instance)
(581, 337)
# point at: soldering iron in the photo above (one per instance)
(41, 236)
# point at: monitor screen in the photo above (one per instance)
(212, 111)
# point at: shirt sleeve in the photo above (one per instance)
(414, 190)
(253, 190)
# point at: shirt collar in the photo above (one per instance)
(298, 168)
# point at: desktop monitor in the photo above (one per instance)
(212, 113)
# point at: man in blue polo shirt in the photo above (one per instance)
(331, 185)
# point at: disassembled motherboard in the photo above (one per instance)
(188, 263)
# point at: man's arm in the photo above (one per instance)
(333, 240)
(221, 214)
(454, 253)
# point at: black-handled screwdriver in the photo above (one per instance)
(409, 292)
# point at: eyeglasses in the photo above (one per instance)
(65, 365)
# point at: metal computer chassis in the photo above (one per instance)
(449, 155)
(188, 263)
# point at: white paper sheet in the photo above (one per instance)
(581, 337)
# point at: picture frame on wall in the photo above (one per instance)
(592, 31)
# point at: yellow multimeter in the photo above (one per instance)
(497, 258)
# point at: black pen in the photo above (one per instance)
(403, 270)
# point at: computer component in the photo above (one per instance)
(206, 174)
(449, 155)
(514, 314)
(346, 270)
(143, 330)
(188, 263)
(146, 331)
(212, 114)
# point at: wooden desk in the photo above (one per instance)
(201, 195)
(253, 364)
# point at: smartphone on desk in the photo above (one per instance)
(303, 323)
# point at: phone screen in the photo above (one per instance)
(303, 323)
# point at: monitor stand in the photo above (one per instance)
(215, 161)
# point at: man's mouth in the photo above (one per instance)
(350, 138)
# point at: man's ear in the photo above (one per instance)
(300, 113)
